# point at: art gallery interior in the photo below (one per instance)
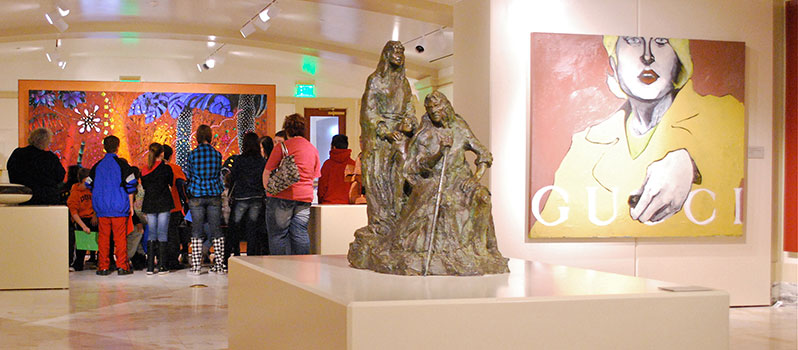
(478, 53)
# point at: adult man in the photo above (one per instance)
(37, 168)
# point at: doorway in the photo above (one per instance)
(321, 124)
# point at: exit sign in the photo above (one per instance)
(305, 90)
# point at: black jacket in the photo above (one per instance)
(157, 194)
(246, 177)
(39, 170)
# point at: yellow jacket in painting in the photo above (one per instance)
(598, 174)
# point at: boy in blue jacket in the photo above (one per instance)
(112, 184)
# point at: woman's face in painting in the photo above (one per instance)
(647, 67)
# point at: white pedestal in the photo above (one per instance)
(33, 247)
(319, 302)
(332, 227)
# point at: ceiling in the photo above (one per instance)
(351, 31)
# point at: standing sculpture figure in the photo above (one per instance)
(386, 101)
(464, 240)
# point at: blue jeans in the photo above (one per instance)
(248, 225)
(205, 210)
(158, 226)
(287, 223)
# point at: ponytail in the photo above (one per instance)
(155, 150)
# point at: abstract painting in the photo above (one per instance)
(81, 114)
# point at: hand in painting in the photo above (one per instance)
(667, 185)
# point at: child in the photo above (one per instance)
(81, 213)
(333, 186)
(112, 185)
(156, 179)
(406, 128)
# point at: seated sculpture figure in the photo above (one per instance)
(445, 225)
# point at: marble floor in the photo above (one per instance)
(181, 311)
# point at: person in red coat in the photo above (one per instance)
(333, 186)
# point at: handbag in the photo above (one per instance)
(285, 175)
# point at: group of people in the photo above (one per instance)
(209, 203)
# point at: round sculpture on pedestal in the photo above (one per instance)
(14, 194)
(427, 212)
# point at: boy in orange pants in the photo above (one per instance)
(112, 184)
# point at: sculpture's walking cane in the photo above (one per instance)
(435, 217)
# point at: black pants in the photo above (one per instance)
(76, 259)
(175, 237)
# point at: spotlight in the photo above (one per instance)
(420, 45)
(247, 29)
(62, 9)
(61, 25)
(264, 16)
(62, 64)
(210, 62)
(55, 18)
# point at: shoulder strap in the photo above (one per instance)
(285, 149)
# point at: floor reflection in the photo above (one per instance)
(164, 312)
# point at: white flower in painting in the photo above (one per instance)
(88, 120)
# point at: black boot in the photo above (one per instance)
(151, 247)
(162, 248)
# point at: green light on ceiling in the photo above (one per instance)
(130, 8)
(305, 90)
(309, 64)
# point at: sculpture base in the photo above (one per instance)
(319, 302)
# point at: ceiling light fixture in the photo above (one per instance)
(55, 18)
(54, 57)
(261, 19)
(212, 60)
(433, 40)
(62, 9)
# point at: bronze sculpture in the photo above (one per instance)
(427, 212)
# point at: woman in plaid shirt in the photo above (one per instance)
(205, 202)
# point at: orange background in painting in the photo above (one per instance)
(114, 100)
(569, 92)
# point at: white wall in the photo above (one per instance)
(740, 266)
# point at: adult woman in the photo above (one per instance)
(288, 212)
(156, 179)
(386, 101)
(247, 194)
(205, 202)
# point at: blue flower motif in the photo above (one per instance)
(42, 98)
(72, 99)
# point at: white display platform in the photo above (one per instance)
(332, 227)
(319, 302)
(33, 243)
